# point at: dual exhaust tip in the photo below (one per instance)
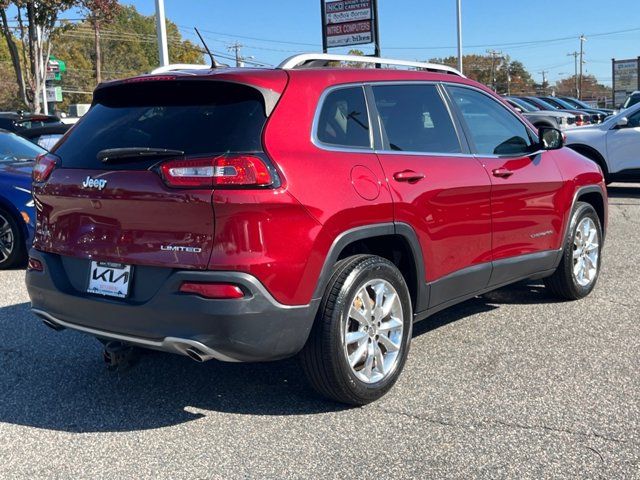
(193, 353)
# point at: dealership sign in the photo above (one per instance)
(626, 78)
(348, 22)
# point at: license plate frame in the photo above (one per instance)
(110, 279)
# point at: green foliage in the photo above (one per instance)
(129, 47)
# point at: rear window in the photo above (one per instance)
(197, 117)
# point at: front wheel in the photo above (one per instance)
(579, 268)
(361, 336)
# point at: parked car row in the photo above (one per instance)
(544, 110)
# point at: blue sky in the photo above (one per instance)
(422, 29)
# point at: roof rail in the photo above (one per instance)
(184, 66)
(314, 60)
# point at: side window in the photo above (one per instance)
(634, 120)
(493, 129)
(344, 120)
(415, 119)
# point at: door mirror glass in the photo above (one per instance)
(622, 122)
(550, 138)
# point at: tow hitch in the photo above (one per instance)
(120, 356)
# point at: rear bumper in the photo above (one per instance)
(158, 316)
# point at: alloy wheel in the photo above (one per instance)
(7, 240)
(586, 250)
(372, 331)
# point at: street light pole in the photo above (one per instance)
(161, 31)
(459, 18)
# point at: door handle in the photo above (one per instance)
(408, 176)
(502, 172)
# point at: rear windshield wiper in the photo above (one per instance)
(114, 154)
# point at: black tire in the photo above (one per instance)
(323, 357)
(18, 250)
(563, 283)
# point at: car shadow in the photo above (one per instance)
(57, 380)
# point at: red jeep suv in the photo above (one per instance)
(255, 214)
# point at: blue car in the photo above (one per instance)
(17, 211)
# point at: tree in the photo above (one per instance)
(128, 48)
(36, 25)
(591, 89)
(509, 75)
(99, 13)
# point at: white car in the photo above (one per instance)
(614, 145)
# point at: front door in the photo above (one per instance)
(437, 187)
(623, 146)
(526, 200)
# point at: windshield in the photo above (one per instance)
(544, 104)
(13, 147)
(526, 106)
(564, 103)
(576, 103)
(631, 100)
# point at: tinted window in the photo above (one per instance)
(13, 147)
(631, 100)
(563, 103)
(493, 129)
(415, 119)
(634, 120)
(541, 103)
(526, 106)
(193, 116)
(344, 120)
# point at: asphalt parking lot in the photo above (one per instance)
(509, 385)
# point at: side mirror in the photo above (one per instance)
(550, 138)
(622, 122)
(517, 109)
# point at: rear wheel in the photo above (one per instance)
(360, 340)
(579, 268)
(12, 243)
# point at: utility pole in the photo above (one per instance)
(544, 81)
(236, 48)
(459, 21)
(494, 56)
(575, 75)
(582, 40)
(161, 32)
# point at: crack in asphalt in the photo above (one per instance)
(494, 423)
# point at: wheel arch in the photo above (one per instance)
(594, 196)
(397, 242)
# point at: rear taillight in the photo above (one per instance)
(220, 291)
(222, 171)
(45, 164)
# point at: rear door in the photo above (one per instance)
(120, 209)
(526, 200)
(438, 188)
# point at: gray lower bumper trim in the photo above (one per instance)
(168, 344)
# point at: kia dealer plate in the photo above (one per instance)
(110, 279)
